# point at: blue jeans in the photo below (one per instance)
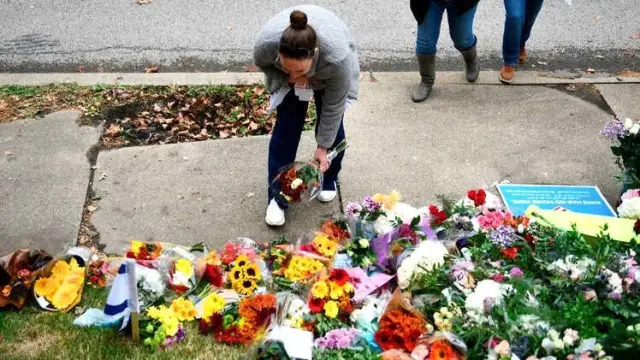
(285, 139)
(460, 28)
(521, 14)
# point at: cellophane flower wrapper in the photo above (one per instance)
(289, 307)
(16, 275)
(60, 283)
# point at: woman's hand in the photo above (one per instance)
(321, 157)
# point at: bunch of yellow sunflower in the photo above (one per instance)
(63, 286)
(302, 267)
(244, 275)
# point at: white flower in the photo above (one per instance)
(634, 129)
(486, 290)
(586, 345)
(630, 208)
(427, 256)
(547, 345)
(570, 337)
(181, 279)
(295, 183)
(571, 267)
(558, 344)
(520, 228)
(363, 243)
(553, 334)
(628, 123)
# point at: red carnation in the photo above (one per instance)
(498, 277)
(636, 227)
(510, 253)
(479, 197)
(213, 274)
(316, 305)
(339, 276)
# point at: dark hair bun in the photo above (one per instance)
(298, 20)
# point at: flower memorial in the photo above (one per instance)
(458, 279)
(625, 135)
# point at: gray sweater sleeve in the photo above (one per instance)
(333, 104)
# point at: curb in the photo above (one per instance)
(230, 78)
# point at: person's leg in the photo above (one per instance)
(426, 47)
(285, 138)
(331, 175)
(531, 13)
(515, 11)
(461, 32)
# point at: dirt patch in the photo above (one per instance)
(32, 343)
(586, 92)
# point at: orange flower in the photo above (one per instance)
(441, 350)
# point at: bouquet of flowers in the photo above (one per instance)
(16, 275)
(60, 283)
(151, 286)
(401, 326)
(244, 275)
(161, 326)
(98, 271)
(630, 205)
(427, 255)
(626, 137)
(300, 181)
(331, 294)
(144, 251)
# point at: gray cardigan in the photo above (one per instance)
(335, 70)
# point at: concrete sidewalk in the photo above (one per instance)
(464, 136)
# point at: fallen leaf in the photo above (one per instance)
(185, 158)
(249, 195)
(543, 63)
(253, 126)
(157, 108)
(81, 69)
(597, 17)
(250, 68)
(8, 153)
(224, 134)
(591, 70)
(151, 69)
(114, 130)
(571, 87)
(229, 27)
(102, 176)
(142, 2)
(92, 208)
(258, 90)
(628, 73)
(3, 104)
(635, 36)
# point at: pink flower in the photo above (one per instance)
(503, 348)
(498, 277)
(491, 220)
(516, 272)
(630, 194)
(585, 356)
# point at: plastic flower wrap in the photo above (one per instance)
(300, 181)
(151, 286)
(60, 284)
(16, 275)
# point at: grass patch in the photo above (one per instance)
(142, 115)
(35, 334)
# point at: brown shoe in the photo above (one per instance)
(523, 56)
(507, 73)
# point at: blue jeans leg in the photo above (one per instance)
(461, 28)
(531, 13)
(285, 137)
(429, 30)
(331, 175)
(513, 25)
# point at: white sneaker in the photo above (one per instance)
(328, 195)
(275, 215)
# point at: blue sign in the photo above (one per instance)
(579, 199)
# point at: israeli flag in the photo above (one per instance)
(121, 302)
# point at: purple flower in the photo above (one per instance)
(338, 339)
(613, 130)
(503, 236)
(516, 272)
(370, 205)
(353, 209)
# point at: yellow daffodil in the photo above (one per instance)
(184, 266)
(320, 290)
(184, 309)
(213, 304)
(336, 290)
(331, 309)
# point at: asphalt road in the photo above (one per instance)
(214, 35)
